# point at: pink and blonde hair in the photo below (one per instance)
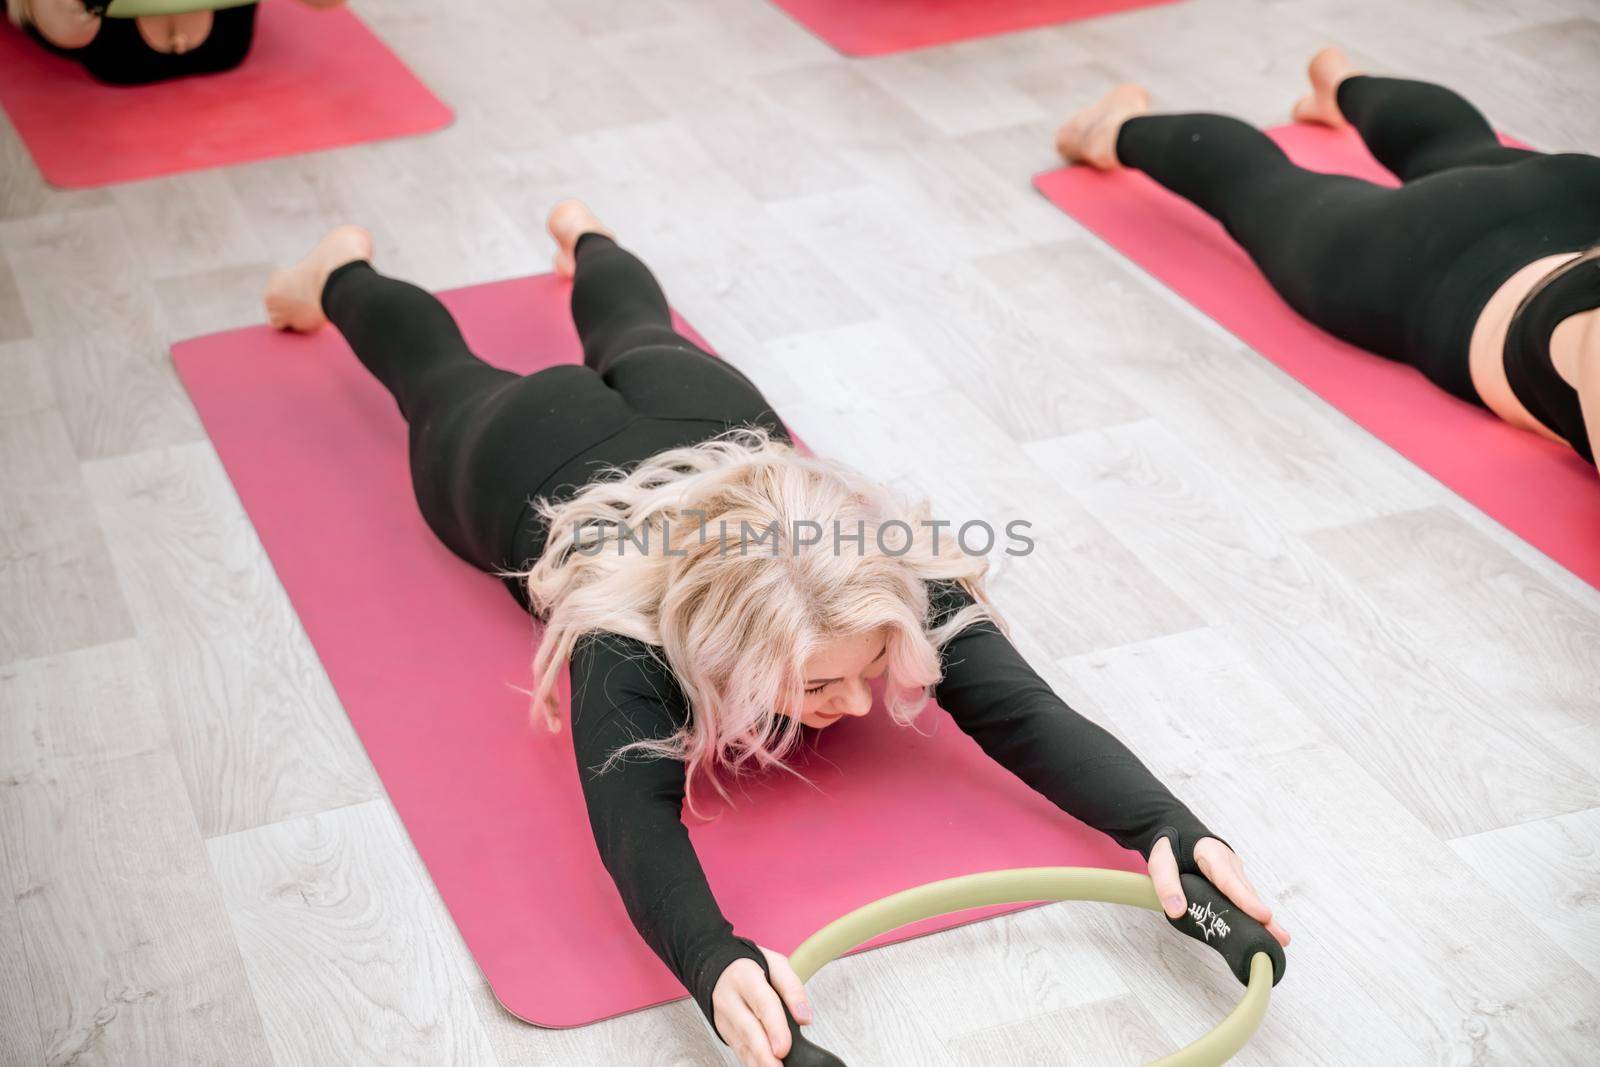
(737, 618)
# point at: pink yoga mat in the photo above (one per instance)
(879, 27)
(425, 653)
(1535, 488)
(313, 80)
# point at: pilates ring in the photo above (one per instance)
(1253, 955)
(131, 9)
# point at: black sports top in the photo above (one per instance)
(623, 691)
(119, 55)
(1570, 288)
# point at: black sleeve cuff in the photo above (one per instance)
(1184, 834)
(711, 968)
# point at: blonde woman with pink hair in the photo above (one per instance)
(713, 592)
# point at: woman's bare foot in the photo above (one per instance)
(294, 294)
(1328, 68)
(570, 220)
(1090, 136)
(175, 34)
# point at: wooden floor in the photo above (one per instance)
(1389, 704)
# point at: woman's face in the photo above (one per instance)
(836, 677)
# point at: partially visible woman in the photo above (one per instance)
(1482, 270)
(150, 48)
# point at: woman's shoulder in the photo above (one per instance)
(620, 669)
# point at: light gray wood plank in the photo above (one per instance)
(20, 1044)
(952, 96)
(291, 203)
(57, 584)
(89, 299)
(719, 253)
(594, 20)
(891, 438)
(1063, 582)
(340, 888)
(1453, 756)
(257, 730)
(1529, 645)
(840, 107)
(130, 956)
(1553, 573)
(866, 358)
(1038, 961)
(185, 219)
(641, 152)
(1117, 1030)
(24, 384)
(729, 119)
(979, 212)
(1550, 872)
(714, 51)
(1256, 54)
(672, 1035)
(453, 234)
(14, 324)
(1023, 379)
(1314, 466)
(1388, 923)
(1566, 44)
(1059, 85)
(212, 300)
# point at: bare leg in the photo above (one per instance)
(294, 294)
(1090, 136)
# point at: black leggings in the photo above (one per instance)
(1401, 272)
(119, 55)
(485, 441)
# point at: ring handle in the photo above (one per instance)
(1254, 955)
(803, 1052)
(1214, 920)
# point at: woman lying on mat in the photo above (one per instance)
(648, 504)
(1482, 270)
(149, 48)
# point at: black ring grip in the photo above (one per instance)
(802, 1052)
(1217, 921)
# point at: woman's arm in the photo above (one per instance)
(621, 694)
(1002, 703)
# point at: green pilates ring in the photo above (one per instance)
(132, 9)
(1031, 884)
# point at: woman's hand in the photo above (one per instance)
(749, 1015)
(1225, 870)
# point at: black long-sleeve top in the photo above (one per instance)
(623, 692)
